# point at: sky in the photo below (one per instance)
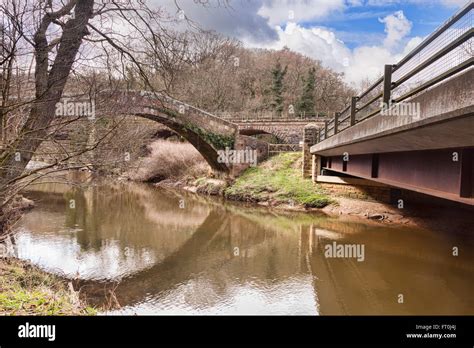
(354, 37)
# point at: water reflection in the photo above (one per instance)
(208, 257)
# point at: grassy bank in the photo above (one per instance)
(278, 181)
(26, 290)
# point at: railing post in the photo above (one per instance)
(353, 110)
(387, 84)
(325, 129)
(336, 121)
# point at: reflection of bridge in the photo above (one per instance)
(339, 285)
(209, 250)
(194, 264)
(425, 141)
(178, 267)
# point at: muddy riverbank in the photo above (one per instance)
(277, 184)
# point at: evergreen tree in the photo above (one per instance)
(278, 74)
(306, 103)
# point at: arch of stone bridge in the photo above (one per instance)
(286, 131)
(205, 149)
(256, 131)
(281, 134)
(204, 131)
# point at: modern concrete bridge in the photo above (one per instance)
(425, 141)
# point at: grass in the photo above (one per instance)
(26, 290)
(279, 181)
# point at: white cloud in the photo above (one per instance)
(454, 3)
(316, 43)
(397, 26)
(446, 3)
(367, 63)
(355, 2)
(281, 11)
(358, 64)
(240, 19)
(411, 44)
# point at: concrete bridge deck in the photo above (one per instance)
(445, 120)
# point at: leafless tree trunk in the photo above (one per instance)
(49, 85)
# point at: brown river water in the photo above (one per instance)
(177, 253)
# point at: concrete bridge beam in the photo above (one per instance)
(430, 153)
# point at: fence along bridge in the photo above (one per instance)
(432, 151)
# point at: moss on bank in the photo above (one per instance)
(279, 181)
(26, 290)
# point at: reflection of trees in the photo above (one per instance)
(142, 217)
(196, 253)
(113, 230)
(134, 216)
(174, 269)
(269, 251)
(209, 255)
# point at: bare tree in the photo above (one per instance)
(65, 38)
(50, 48)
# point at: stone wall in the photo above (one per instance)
(309, 138)
(243, 142)
(376, 193)
(288, 132)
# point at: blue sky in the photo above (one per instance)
(360, 25)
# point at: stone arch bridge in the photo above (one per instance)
(206, 132)
(286, 131)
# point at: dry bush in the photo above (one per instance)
(170, 160)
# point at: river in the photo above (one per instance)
(176, 253)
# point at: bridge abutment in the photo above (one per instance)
(310, 132)
(247, 143)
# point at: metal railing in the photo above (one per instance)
(446, 52)
(231, 118)
(272, 116)
(165, 100)
(274, 149)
